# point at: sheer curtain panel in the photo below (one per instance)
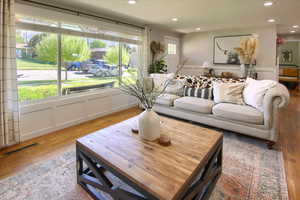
(9, 108)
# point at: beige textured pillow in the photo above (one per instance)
(228, 93)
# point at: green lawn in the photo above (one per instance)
(34, 90)
(40, 89)
(32, 64)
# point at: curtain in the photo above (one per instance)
(146, 51)
(9, 108)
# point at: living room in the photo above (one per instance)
(131, 99)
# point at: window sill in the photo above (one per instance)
(71, 97)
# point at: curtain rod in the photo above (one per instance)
(78, 13)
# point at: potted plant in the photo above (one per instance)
(158, 63)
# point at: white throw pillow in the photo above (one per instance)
(161, 79)
(255, 91)
(175, 87)
(228, 93)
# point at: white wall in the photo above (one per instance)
(51, 115)
(159, 35)
(198, 47)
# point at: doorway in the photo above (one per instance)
(289, 64)
(172, 57)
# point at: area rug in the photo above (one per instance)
(250, 172)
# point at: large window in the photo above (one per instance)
(36, 67)
(56, 62)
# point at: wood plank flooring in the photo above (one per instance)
(51, 144)
(290, 144)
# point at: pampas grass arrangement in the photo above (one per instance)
(247, 53)
(248, 49)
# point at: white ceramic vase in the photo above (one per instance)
(149, 125)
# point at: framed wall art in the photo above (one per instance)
(224, 52)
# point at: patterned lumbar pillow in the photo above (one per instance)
(228, 93)
(205, 82)
(205, 93)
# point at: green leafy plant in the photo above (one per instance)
(73, 49)
(19, 38)
(158, 66)
(97, 44)
(112, 56)
(36, 39)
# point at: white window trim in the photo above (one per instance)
(57, 30)
(48, 14)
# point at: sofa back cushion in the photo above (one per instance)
(205, 93)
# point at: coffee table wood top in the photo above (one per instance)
(162, 171)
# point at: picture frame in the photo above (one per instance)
(286, 57)
(224, 53)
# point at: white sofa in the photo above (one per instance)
(242, 119)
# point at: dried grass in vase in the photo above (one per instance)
(143, 89)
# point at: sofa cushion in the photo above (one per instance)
(166, 99)
(194, 104)
(236, 112)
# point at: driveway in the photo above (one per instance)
(34, 75)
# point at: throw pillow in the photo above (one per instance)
(206, 82)
(255, 91)
(161, 79)
(228, 92)
(205, 93)
(175, 87)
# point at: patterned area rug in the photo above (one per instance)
(250, 172)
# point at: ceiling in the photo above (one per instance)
(207, 14)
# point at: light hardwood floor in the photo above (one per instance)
(52, 144)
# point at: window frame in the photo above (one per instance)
(48, 29)
(173, 51)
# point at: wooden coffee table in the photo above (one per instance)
(188, 169)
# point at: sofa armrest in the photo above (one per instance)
(275, 98)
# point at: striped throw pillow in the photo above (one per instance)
(205, 93)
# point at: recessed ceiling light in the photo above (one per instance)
(198, 29)
(132, 1)
(293, 31)
(271, 20)
(296, 26)
(268, 3)
(174, 19)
